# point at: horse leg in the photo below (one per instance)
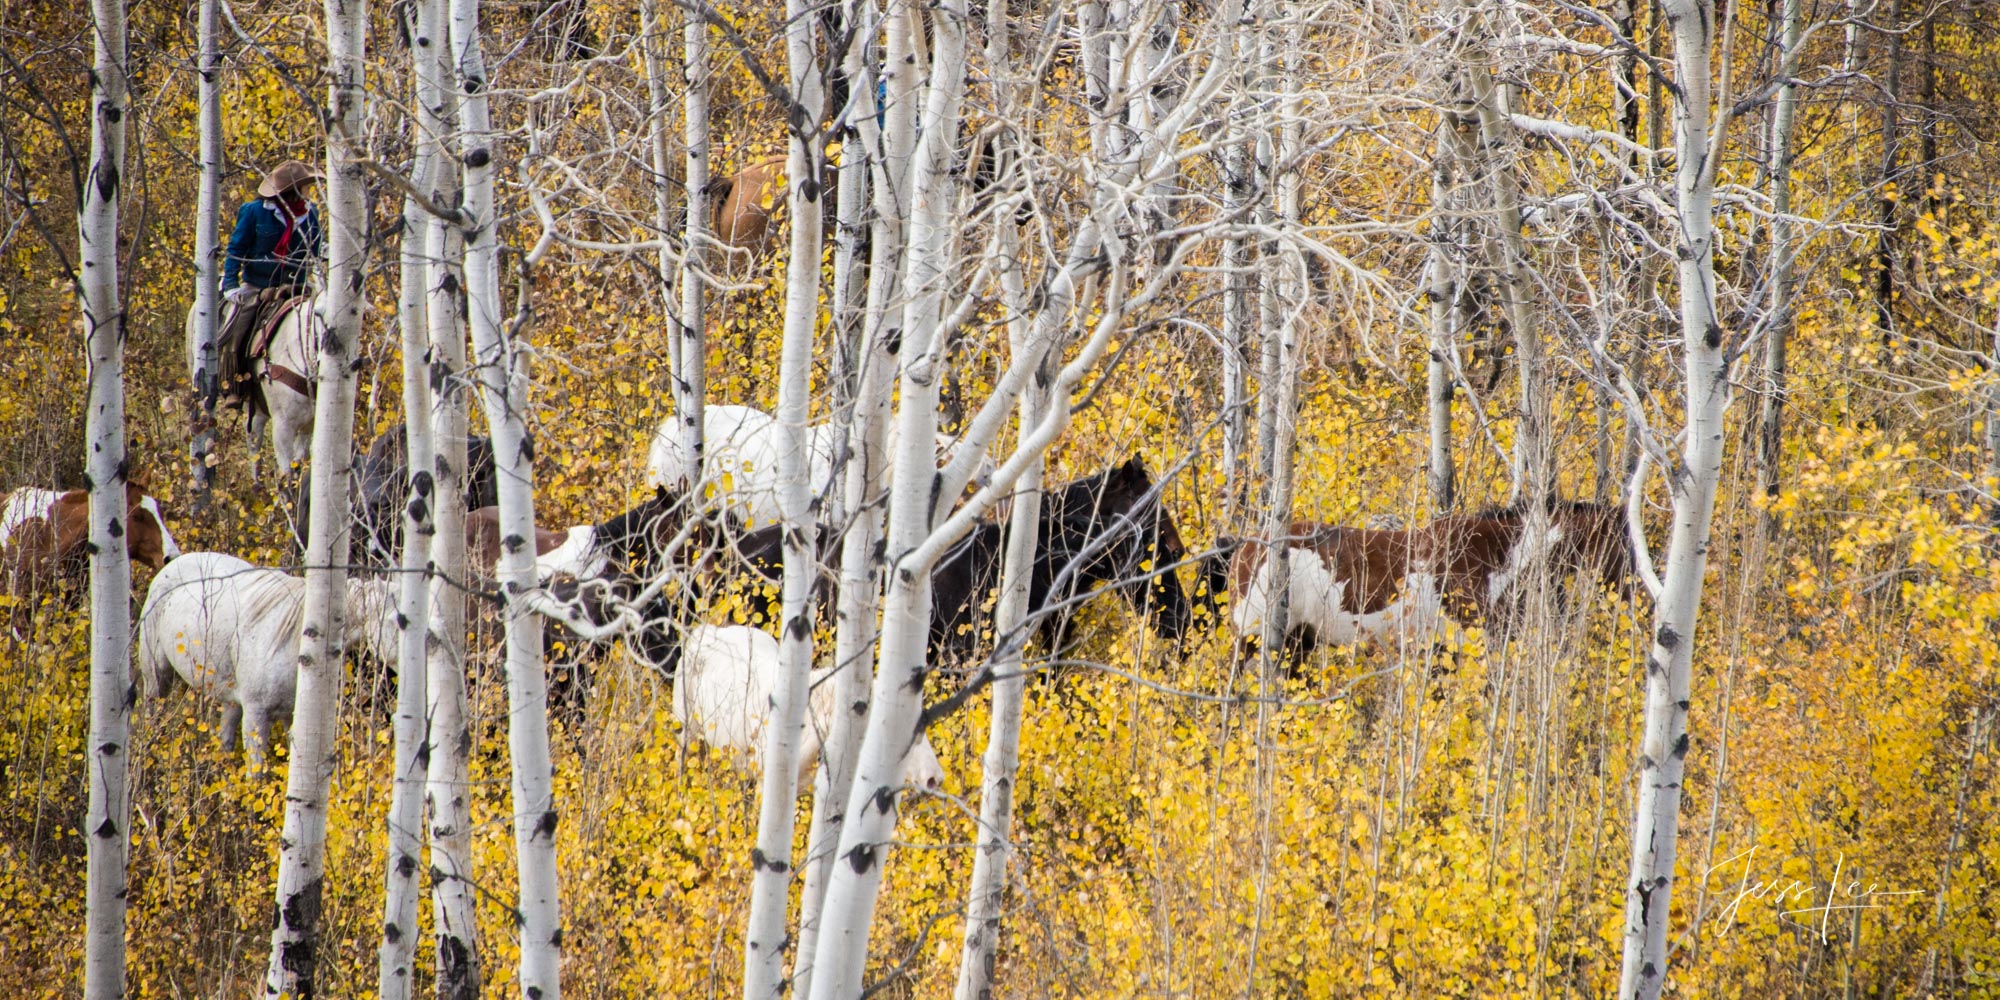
(258, 742)
(232, 725)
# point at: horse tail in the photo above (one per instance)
(156, 675)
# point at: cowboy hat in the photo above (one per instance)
(284, 177)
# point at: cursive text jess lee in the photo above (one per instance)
(1821, 900)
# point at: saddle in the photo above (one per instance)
(246, 339)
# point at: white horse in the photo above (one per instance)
(723, 695)
(230, 630)
(742, 444)
(285, 375)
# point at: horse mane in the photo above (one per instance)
(635, 534)
(264, 591)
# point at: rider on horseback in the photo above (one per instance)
(271, 253)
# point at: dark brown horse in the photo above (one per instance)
(1107, 529)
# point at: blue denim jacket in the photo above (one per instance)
(251, 258)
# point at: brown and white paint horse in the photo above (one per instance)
(45, 535)
(1347, 585)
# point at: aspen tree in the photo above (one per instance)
(1444, 280)
(503, 394)
(447, 789)
(396, 970)
(771, 860)
(681, 282)
(111, 693)
(999, 766)
(207, 253)
(1669, 662)
(885, 137)
(1508, 255)
(1778, 318)
(315, 726)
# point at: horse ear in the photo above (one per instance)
(660, 493)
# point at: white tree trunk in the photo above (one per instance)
(207, 254)
(111, 693)
(503, 384)
(885, 151)
(842, 946)
(998, 769)
(1778, 329)
(1496, 162)
(1669, 663)
(396, 959)
(687, 344)
(1240, 187)
(1441, 377)
(454, 899)
(771, 860)
(919, 533)
(315, 725)
(447, 790)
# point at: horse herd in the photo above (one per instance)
(229, 629)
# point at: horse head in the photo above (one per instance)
(1597, 536)
(1114, 522)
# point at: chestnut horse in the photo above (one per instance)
(45, 535)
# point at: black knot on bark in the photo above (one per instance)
(106, 829)
(117, 528)
(861, 859)
(546, 826)
(1681, 747)
(1668, 638)
(478, 157)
